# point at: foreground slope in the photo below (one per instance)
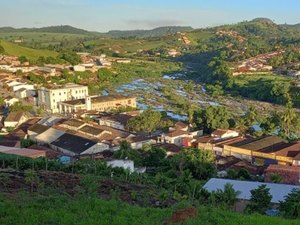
(61, 209)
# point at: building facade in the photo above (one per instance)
(96, 103)
(49, 99)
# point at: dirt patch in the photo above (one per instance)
(182, 215)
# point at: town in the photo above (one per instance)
(149, 113)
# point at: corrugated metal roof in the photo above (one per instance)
(278, 191)
(49, 135)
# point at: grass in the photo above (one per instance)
(244, 79)
(28, 209)
(31, 54)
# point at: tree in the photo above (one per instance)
(260, 200)
(155, 157)
(275, 178)
(70, 57)
(230, 195)
(212, 118)
(148, 121)
(215, 90)
(23, 59)
(289, 121)
(251, 116)
(290, 207)
(199, 161)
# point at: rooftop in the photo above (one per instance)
(38, 128)
(121, 118)
(176, 133)
(14, 116)
(32, 153)
(91, 130)
(73, 123)
(278, 191)
(73, 143)
(260, 143)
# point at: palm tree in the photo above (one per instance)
(230, 195)
(287, 119)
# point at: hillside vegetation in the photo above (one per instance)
(31, 54)
(82, 210)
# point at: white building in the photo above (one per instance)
(25, 86)
(10, 100)
(48, 99)
(14, 119)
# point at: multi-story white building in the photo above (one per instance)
(48, 98)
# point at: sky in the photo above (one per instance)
(105, 15)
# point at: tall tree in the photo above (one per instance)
(260, 200)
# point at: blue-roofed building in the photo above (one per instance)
(278, 191)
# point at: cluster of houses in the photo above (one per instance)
(268, 154)
(256, 64)
(231, 33)
(89, 62)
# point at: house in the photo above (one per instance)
(72, 124)
(224, 133)
(49, 98)
(48, 136)
(14, 119)
(173, 53)
(21, 93)
(79, 68)
(93, 131)
(287, 174)
(118, 121)
(137, 142)
(36, 129)
(180, 135)
(23, 86)
(264, 150)
(10, 101)
(73, 145)
(277, 191)
(49, 121)
(171, 149)
(215, 145)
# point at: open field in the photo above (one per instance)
(31, 54)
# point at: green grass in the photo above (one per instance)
(31, 54)
(244, 79)
(29, 209)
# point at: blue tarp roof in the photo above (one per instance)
(278, 191)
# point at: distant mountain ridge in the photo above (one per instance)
(156, 32)
(51, 29)
(160, 31)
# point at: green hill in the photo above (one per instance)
(31, 54)
(31, 209)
